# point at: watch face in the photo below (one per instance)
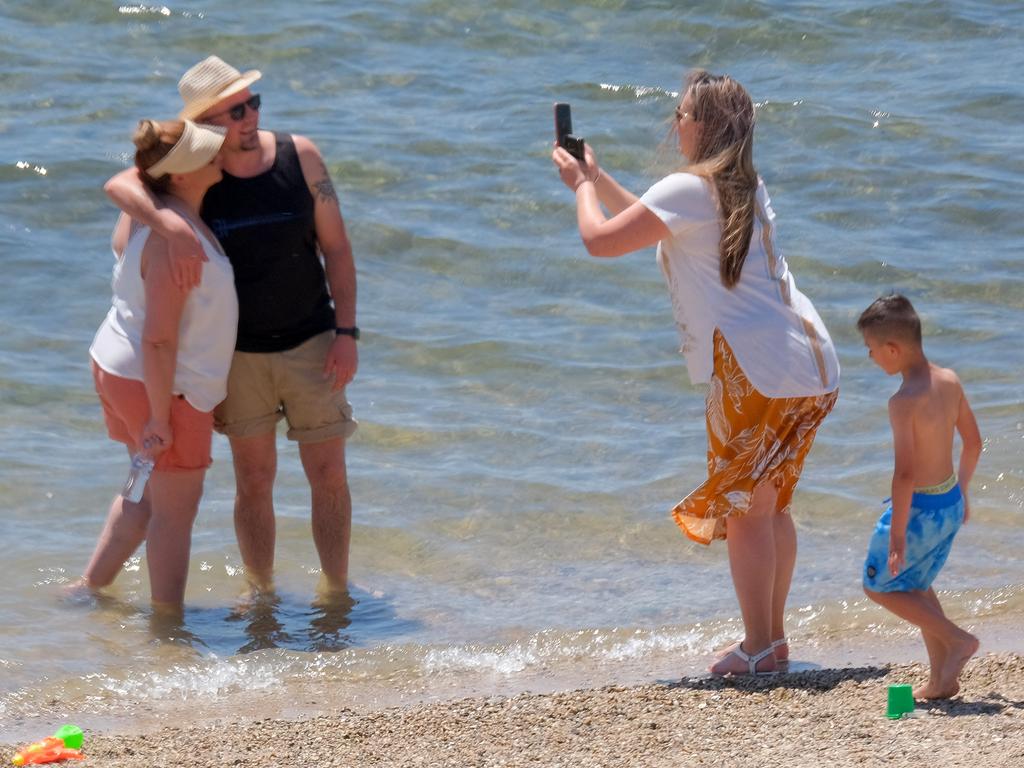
(353, 332)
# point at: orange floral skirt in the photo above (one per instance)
(752, 439)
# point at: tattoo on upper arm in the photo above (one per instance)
(324, 188)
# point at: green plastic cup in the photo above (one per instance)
(71, 735)
(901, 701)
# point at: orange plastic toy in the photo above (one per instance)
(49, 750)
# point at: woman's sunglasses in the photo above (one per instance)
(237, 112)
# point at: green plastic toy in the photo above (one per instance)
(71, 735)
(901, 701)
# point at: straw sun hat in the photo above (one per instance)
(196, 147)
(209, 81)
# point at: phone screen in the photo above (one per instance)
(563, 122)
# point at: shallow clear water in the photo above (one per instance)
(526, 422)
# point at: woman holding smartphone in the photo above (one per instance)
(160, 362)
(746, 331)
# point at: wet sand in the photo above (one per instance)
(831, 717)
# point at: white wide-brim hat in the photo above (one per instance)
(209, 81)
(197, 146)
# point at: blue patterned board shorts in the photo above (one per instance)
(934, 520)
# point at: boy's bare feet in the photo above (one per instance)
(933, 690)
(944, 683)
(959, 654)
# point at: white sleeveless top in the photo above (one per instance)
(777, 336)
(209, 324)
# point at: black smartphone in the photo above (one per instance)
(563, 131)
(563, 122)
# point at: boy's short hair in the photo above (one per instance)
(891, 317)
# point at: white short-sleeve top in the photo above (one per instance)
(777, 336)
(209, 324)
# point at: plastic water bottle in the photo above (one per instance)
(135, 485)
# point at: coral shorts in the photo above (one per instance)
(126, 411)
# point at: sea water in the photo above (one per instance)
(526, 420)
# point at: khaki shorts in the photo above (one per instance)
(265, 387)
(126, 411)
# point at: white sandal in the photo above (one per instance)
(723, 652)
(776, 644)
(751, 660)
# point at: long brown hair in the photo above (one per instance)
(725, 156)
(152, 141)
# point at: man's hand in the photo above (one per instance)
(185, 252)
(897, 554)
(342, 361)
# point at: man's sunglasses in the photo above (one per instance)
(237, 112)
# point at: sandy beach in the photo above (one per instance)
(833, 717)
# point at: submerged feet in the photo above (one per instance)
(80, 592)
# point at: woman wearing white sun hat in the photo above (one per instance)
(160, 361)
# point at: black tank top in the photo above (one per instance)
(265, 224)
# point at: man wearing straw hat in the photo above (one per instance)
(276, 213)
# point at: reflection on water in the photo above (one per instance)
(270, 623)
(327, 620)
(285, 621)
(170, 628)
(261, 623)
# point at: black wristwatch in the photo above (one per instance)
(353, 332)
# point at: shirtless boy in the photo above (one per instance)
(913, 537)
